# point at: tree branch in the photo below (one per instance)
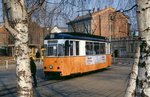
(6, 21)
(36, 6)
(127, 9)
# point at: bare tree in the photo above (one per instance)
(62, 9)
(16, 19)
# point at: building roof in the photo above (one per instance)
(111, 9)
(56, 30)
(104, 10)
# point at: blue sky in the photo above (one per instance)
(101, 4)
(1, 12)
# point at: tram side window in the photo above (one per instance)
(71, 48)
(96, 48)
(89, 48)
(67, 48)
(102, 48)
(61, 50)
(77, 47)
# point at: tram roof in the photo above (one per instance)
(75, 35)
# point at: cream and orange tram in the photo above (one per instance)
(71, 53)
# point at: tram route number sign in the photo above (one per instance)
(91, 60)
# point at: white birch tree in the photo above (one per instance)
(16, 22)
(142, 88)
(130, 91)
(143, 80)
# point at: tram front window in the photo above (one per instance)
(55, 50)
(52, 50)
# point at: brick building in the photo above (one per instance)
(4, 40)
(3, 37)
(108, 23)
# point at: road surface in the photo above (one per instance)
(109, 82)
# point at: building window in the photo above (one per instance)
(131, 47)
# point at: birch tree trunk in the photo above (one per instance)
(130, 92)
(16, 21)
(143, 81)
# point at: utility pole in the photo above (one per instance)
(110, 35)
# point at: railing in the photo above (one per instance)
(7, 63)
(120, 61)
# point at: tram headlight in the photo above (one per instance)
(51, 66)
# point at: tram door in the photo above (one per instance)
(74, 55)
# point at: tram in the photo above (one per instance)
(73, 52)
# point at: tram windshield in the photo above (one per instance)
(62, 48)
(51, 50)
(55, 50)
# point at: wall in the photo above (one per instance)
(126, 47)
(109, 23)
(4, 35)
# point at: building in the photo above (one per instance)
(4, 41)
(125, 47)
(108, 23)
(3, 37)
(56, 29)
